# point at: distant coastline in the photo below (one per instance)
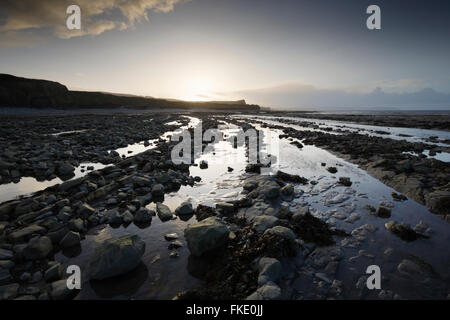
(17, 92)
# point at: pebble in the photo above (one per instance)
(171, 236)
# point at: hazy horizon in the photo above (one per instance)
(316, 55)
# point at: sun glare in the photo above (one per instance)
(202, 86)
(199, 90)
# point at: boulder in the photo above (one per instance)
(66, 169)
(6, 165)
(145, 199)
(163, 178)
(398, 196)
(127, 217)
(403, 231)
(164, 212)
(25, 277)
(439, 201)
(270, 268)
(158, 190)
(414, 271)
(116, 256)
(332, 169)
(383, 211)
(345, 181)
(141, 181)
(9, 291)
(293, 178)
(8, 208)
(283, 212)
(71, 184)
(253, 168)
(76, 225)
(58, 234)
(36, 277)
(269, 291)
(85, 210)
(283, 232)
(225, 208)
(71, 239)
(250, 185)
(23, 234)
(114, 217)
(207, 235)
(143, 215)
(38, 248)
(202, 212)
(25, 206)
(203, 164)
(264, 222)
(411, 270)
(7, 264)
(299, 214)
(5, 254)
(5, 277)
(53, 273)
(287, 192)
(60, 291)
(184, 209)
(3, 225)
(271, 191)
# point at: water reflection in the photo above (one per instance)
(125, 285)
(441, 156)
(396, 133)
(28, 185)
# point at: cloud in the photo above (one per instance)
(302, 95)
(18, 39)
(24, 16)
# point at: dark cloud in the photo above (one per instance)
(22, 16)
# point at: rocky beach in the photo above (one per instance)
(224, 159)
(101, 191)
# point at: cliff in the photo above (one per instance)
(33, 93)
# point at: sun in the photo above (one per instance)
(201, 86)
(199, 90)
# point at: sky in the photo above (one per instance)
(284, 53)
